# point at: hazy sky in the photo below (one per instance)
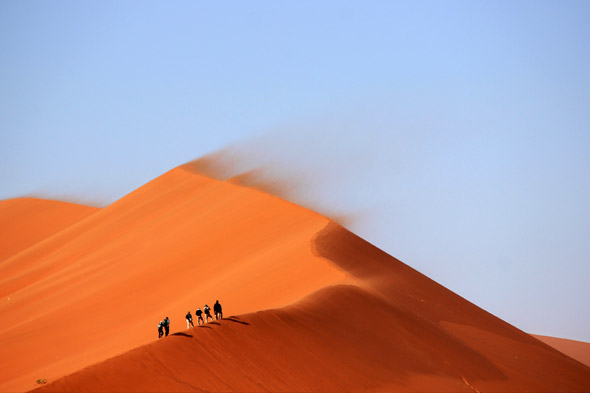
(455, 134)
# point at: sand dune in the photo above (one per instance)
(395, 330)
(99, 287)
(26, 221)
(294, 349)
(578, 350)
(341, 338)
(317, 308)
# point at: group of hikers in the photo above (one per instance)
(165, 324)
(207, 311)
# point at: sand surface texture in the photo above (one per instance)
(308, 306)
(27, 221)
(578, 350)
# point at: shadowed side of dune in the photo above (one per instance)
(526, 362)
(399, 282)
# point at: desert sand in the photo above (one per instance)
(27, 221)
(308, 305)
(578, 350)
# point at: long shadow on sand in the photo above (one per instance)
(206, 327)
(214, 323)
(181, 334)
(236, 320)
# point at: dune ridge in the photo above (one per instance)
(315, 307)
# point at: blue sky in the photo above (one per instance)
(455, 133)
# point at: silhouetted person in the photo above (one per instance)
(217, 310)
(207, 313)
(160, 329)
(189, 320)
(167, 325)
(199, 314)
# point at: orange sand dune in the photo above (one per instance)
(394, 330)
(341, 338)
(340, 314)
(26, 221)
(578, 350)
(99, 287)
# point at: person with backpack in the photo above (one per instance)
(160, 329)
(189, 320)
(199, 314)
(207, 313)
(167, 325)
(217, 310)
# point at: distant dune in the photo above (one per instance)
(578, 350)
(26, 221)
(313, 306)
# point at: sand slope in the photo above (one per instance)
(317, 308)
(99, 287)
(341, 338)
(26, 221)
(578, 350)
